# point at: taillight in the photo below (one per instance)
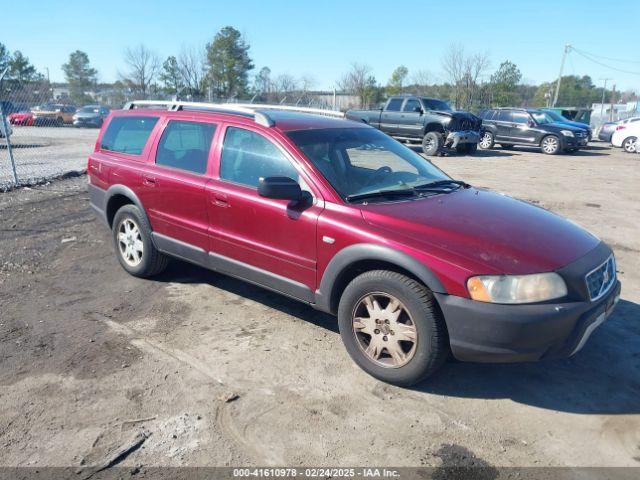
(620, 127)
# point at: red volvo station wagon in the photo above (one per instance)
(334, 213)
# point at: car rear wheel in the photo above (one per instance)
(486, 141)
(550, 145)
(432, 143)
(629, 144)
(132, 239)
(392, 327)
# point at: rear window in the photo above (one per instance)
(128, 134)
(185, 145)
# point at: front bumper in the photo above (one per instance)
(488, 332)
(457, 138)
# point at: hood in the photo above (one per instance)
(557, 126)
(498, 233)
(581, 126)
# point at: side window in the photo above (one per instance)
(248, 156)
(411, 104)
(520, 117)
(128, 134)
(503, 116)
(185, 145)
(394, 105)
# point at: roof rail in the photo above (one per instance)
(289, 108)
(259, 117)
(253, 110)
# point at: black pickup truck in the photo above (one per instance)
(426, 120)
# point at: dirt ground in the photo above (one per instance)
(195, 368)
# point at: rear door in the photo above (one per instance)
(502, 121)
(173, 185)
(410, 122)
(270, 242)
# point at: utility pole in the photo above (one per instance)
(567, 47)
(613, 96)
(604, 89)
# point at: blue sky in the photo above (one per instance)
(321, 38)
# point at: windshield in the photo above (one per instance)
(89, 110)
(361, 160)
(542, 117)
(431, 104)
(556, 117)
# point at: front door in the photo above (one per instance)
(521, 130)
(410, 123)
(502, 120)
(270, 242)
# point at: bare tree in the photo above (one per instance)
(358, 81)
(143, 66)
(463, 73)
(420, 82)
(284, 86)
(192, 66)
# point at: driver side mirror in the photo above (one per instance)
(531, 123)
(418, 110)
(279, 188)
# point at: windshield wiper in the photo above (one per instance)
(381, 194)
(440, 185)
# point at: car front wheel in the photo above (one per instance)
(550, 145)
(392, 327)
(629, 144)
(432, 143)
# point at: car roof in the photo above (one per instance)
(283, 120)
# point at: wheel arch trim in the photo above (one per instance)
(347, 257)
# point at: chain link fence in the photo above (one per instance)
(39, 142)
(37, 139)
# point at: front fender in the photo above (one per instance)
(339, 264)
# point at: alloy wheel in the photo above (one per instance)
(485, 141)
(629, 145)
(384, 330)
(130, 242)
(550, 145)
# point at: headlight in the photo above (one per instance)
(516, 288)
(567, 133)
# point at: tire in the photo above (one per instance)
(629, 144)
(432, 143)
(487, 140)
(139, 259)
(419, 317)
(550, 145)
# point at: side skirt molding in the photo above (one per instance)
(233, 268)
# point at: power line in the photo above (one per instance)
(605, 58)
(604, 64)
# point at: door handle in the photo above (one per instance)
(149, 181)
(220, 200)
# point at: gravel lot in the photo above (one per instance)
(45, 152)
(213, 371)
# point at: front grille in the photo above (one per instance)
(581, 134)
(601, 279)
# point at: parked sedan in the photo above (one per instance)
(607, 129)
(24, 118)
(90, 116)
(53, 115)
(626, 136)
